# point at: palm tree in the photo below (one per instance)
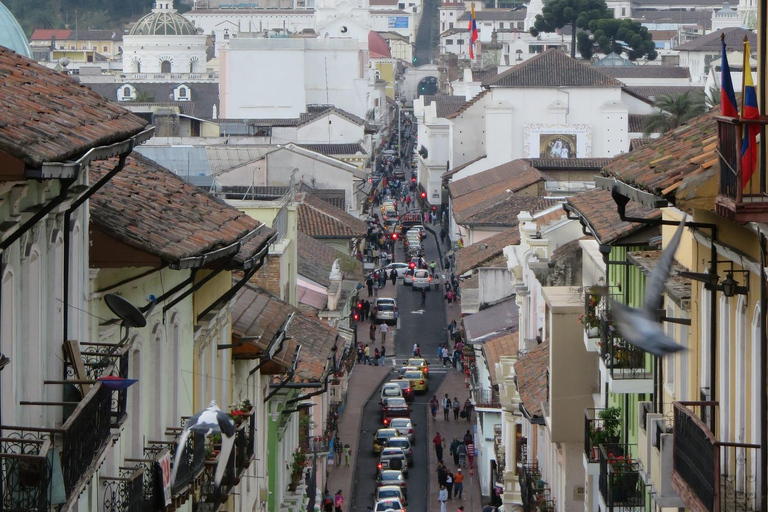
(712, 96)
(144, 97)
(674, 111)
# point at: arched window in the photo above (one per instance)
(160, 382)
(126, 92)
(724, 367)
(8, 303)
(134, 393)
(33, 345)
(706, 343)
(165, 66)
(741, 371)
(182, 92)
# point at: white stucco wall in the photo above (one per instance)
(185, 53)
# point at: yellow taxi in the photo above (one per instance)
(381, 437)
(419, 380)
(419, 362)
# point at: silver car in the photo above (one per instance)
(404, 428)
(421, 280)
(384, 310)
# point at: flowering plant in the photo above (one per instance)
(239, 410)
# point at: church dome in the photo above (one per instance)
(377, 46)
(11, 35)
(164, 20)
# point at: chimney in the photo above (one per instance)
(334, 290)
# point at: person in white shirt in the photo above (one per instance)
(383, 328)
(442, 497)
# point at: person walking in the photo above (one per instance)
(415, 346)
(449, 483)
(327, 501)
(446, 403)
(446, 360)
(383, 328)
(393, 276)
(442, 497)
(438, 442)
(454, 445)
(383, 355)
(456, 406)
(442, 235)
(338, 501)
(433, 406)
(471, 454)
(468, 409)
(449, 297)
(347, 454)
(461, 452)
(367, 355)
(376, 357)
(441, 473)
(432, 266)
(369, 284)
(372, 332)
(458, 484)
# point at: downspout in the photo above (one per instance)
(763, 376)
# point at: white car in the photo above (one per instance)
(390, 390)
(404, 427)
(388, 505)
(421, 280)
(384, 310)
(399, 267)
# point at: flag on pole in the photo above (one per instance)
(749, 110)
(472, 32)
(727, 96)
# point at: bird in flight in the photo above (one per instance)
(640, 326)
(209, 421)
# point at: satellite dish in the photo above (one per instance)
(125, 311)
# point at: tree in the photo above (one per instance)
(712, 98)
(576, 13)
(674, 111)
(617, 36)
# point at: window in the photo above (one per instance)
(165, 66)
(670, 360)
(450, 24)
(740, 374)
(126, 92)
(501, 24)
(449, 41)
(182, 92)
(95, 48)
(159, 380)
(724, 367)
(263, 131)
(105, 49)
(459, 41)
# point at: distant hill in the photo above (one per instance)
(95, 14)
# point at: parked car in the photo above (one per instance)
(405, 387)
(399, 267)
(393, 458)
(394, 407)
(389, 492)
(421, 280)
(381, 436)
(392, 477)
(384, 310)
(419, 381)
(405, 428)
(388, 390)
(408, 277)
(389, 504)
(403, 443)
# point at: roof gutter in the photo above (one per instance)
(201, 260)
(275, 344)
(288, 378)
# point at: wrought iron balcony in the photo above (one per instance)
(26, 472)
(595, 434)
(536, 494)
(124, 493)
(622, 359)
(595, 306)
(102, 360)
(486, 397)
(709, 474)
(740, 198)
(150, 496)
(620, 483)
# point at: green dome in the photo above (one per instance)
(11, 35)
(163, 21)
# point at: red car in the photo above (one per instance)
(394, 407)
(405, 386)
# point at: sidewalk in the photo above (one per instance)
(453, 384)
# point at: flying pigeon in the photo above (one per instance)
(641, 327)
(206, 422)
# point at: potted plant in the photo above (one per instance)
(591, 319)
(240, 410)
(297, 467)
(611, 423)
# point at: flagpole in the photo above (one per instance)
(745, 68)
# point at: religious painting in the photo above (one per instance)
(557, 145)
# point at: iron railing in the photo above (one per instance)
(623, 359)
(719, 476)
(149, 465)
(536, 494)
(26, 472)
(486, 397)
(595, 434)
(191, 464)
(619, 481)
(595, 307)
(102, 360)
(124, 493)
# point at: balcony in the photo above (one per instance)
(735, 201)
(629, 369)
(620, 484)
(709, 474)
(599, 428)
(486, 397)
(536, 493)
(27, 473)
(124, 493)
(595, 307)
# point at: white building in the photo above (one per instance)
(697, 55)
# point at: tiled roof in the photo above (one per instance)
(506, 345)
(650, 71)
(468, 104)
(448, 174)
(639, 142)
(569, 164)
(316, 260)
(503, 208)
(335, 149)
(150, 208)
(532, 372)
(650, 93)
(635, 123)
(676, 286)
(702, 18)
(514, 175)
(491, 322)
(662, 166)
(320, 219)
(46, 116)
(258, 313)
(552, 68)
(734, 40)
(496, 15)
(317, 111)
(482, 74)
(45, 34)
(445, 104)
(202, 96)
(475, 255)
(598, 209)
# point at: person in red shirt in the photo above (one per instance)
(438, 442)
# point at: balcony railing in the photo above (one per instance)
(486, 397)
(535, 493)
(741, 198)
(595, 306)
(620, 483)
(102, 360)
(595, 434)
(718, 476)
(26, 472)
(624, 360)
(124, 493)
(150, 496)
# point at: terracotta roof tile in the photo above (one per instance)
(649, 71)
(532, 372)
(316, 260)
(445, 105)
(494, 349)
(336, 149)
(664, 164)
(473, 256)
(676, 286)
(734, 40)
(598, 209)
(635, 123)
(46, 116)
(150, 208)
(502, 209)
(258, 313)
(514, 175)
(569, 164)
(552, 68)
(320, 219)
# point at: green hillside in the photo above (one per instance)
(95, 14)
